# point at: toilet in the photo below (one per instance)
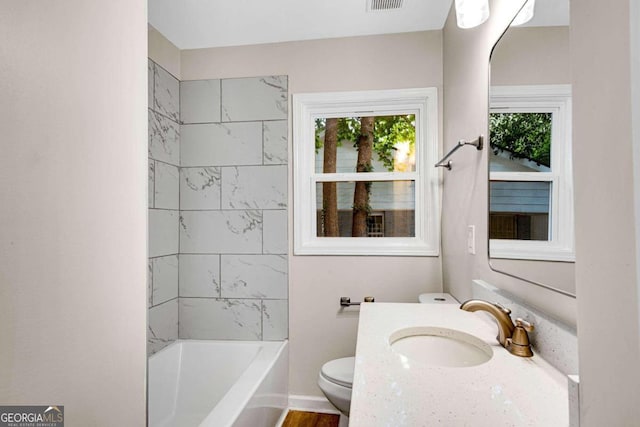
(335, 378)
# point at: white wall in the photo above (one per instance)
(319, 330)
(606, 271)
(466, 75)
(73, 208)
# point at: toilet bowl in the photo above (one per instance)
(335, 378)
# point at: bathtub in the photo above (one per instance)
(218, 384)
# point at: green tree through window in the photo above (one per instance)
(369, 135)
(522, 135)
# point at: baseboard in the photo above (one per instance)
(311, 404)
(283, 416)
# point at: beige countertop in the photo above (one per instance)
(391, 390)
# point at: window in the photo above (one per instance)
(530, 188)
(364, 181)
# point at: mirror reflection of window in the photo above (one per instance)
(519, 210)
(524, 139)
(530, 188)
(520, 143)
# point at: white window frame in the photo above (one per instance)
(307, 107)
(535, 99)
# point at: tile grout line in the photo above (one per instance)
(220, 270)
(262, 246)
(179, 198)
(220, 103)
(161, 114)
(222, 123)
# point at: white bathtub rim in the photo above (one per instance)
(237, 397)
(189, 341)
(163, 352)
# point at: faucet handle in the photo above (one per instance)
(524, 324)
(519, 344)
(502, 307)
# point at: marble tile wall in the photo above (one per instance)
(164, 207)
(218, 240)
(233, 209)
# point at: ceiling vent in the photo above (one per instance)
(381, 5)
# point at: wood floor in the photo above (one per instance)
(310, 419)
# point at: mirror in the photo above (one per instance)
(530, 218)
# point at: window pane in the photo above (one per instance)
(520, 210)
(390, 147)
(390, 211)
(520, 142)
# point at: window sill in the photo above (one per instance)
(363, 246)
(530, 250)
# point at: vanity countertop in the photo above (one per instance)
(391, 390)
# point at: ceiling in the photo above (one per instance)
(194, 24)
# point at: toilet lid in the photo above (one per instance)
(340, 371)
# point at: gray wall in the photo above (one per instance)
(606, 270)
(73, 208)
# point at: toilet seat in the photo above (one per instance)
(339, 371)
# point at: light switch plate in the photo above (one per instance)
(471, 239)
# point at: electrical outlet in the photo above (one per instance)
(471, 239)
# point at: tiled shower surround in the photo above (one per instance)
(164, 205)
(233, 209)
(218, 222)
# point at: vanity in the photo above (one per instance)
(419, 365)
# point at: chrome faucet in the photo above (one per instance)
(512, 337)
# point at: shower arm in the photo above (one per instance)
(478, 143)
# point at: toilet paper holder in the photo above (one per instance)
(346, 301)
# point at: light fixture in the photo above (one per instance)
(525, 14)
(471, 13)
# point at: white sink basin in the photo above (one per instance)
(438, 346)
